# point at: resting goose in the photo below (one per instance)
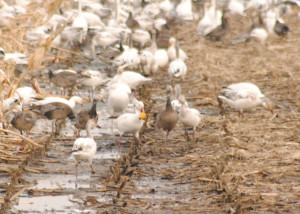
(84, 116)
(190, 117)
(85, 148)
(166, 120)
(177, 67)
(131, 122)
(241, 96)
(172, 50)
(18, 58)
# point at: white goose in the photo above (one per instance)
(85, 148)
(132, 122)
(19, 58)
(241, 96)
(177, 67)
(118, 97)
(130, 56)
(160, 56)
(131, 78)
(211, 19)
(81, 24)
(190, 117)
(236, 7)
(175, 103)
(27, 95)
(184, 10)
(172, 51)
(93, 79)
(71, 102)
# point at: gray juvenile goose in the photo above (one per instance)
(54, 111)
(166, 120)
(84, 116)
(24, 121)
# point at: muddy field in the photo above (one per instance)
(234, 164)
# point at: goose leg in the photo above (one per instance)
(119, 143)
(93, 171)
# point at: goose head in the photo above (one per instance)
(76, 100)
(267, 104)
(172, 41)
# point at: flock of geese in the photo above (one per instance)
(145, 26)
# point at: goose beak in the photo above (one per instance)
(98, 126)
(143, 115)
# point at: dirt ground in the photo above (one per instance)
(234, 164)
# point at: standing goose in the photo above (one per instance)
(177, 67)
(85, 148)
(24, 121)
(84, 116)
(131, 78)
(132, 122)
(241, 96)
(55, 111)
(118, 97)
(172, 50)
(190, 117)
(81, 24)
(220, 31)
(70, 102)
(175, 103)
(166, 120)
(64, 78)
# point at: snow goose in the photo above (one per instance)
(160, 56)
(85, 148)
(172, 51)
(220, 31)
(118, 97)
(177, 67)
(93, 79)
(241, 96)
(130, 57)
(175, 103)
(64, 78)
(84, 116)
(24, 121)
(184, 10)
(257, 31)
(27, 95)
(190, 117)
(131, 122)
(80, 23)
(18, 58)
(131, 22)
(236, 7)
(142, 37)
(167, 119)
(211, 19)
(70, 102)
(131, 78)
(55, 111)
